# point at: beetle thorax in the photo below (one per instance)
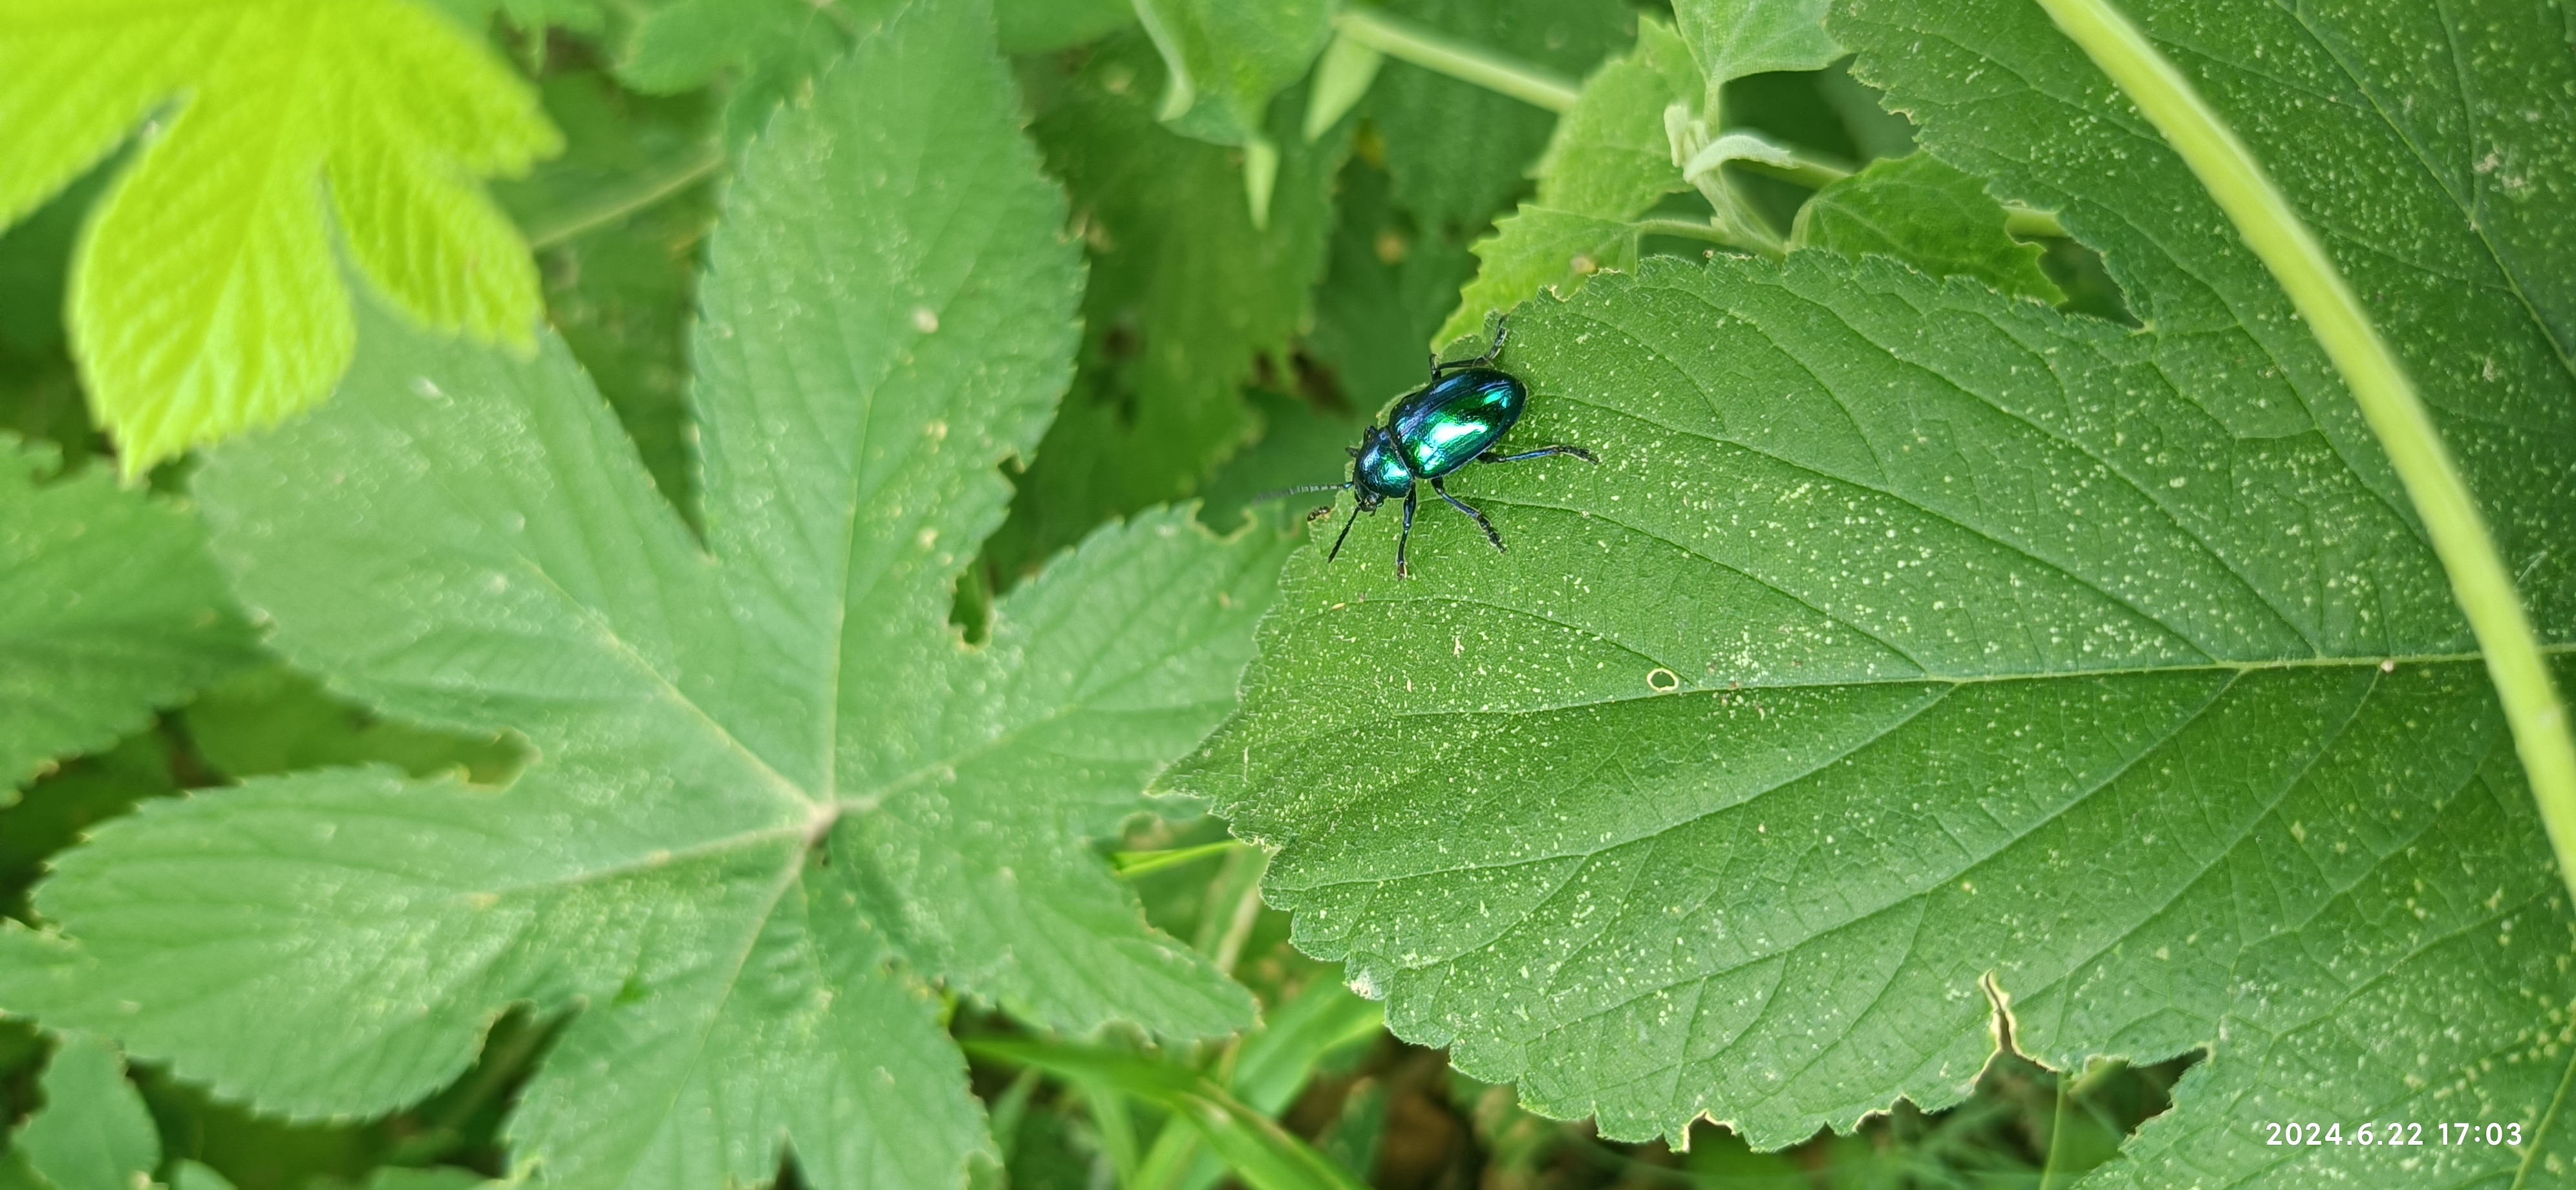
(1379, 473)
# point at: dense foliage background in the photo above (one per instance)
(668, 593)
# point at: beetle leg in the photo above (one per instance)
(1346, 534)
(1492, 353)
(1403, 570)
(1494, 350)
(1454, 502)
(1495, 456)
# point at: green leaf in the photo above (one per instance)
(530, 16)
(1611, 155)
(1459, 152)
(1225, 60)
(1186, 297)
(206, 298)
(108, 609)
(1609, 162)
(1271, 1066)
(1928, 214)
(93, 1133)
(2425, 149)
(1734, 38)
(190, 1175)
(1044, 26)
(1276, 1062)
(1538, 249)
(1265, 1155)
(1388, 281)
(620, 221)
(40, 397)
(1909, 635)
(444, 1177)
(2478, 302)
(57, 812)
(775, 794)
(768, 52)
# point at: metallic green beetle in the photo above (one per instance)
(1446, 424)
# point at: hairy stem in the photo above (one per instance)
(2378, 381)
(1459, 60)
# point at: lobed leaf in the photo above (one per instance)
(109, 608)
(774, 795)
(206, 299)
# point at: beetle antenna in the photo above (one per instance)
(1299, 490)
(1353, 519)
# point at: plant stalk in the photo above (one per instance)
(2378, 380)
(653, 188)
(1457, 59)
(1802, 168)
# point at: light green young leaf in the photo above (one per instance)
(774, 792)
(1928, 214)
(207, 298)
(1186, 296)
(1608, 163)
(109, 608)
(1225, 60)
(1734, 38)
(1908, 635)
(93, 1132)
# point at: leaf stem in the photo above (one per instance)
(1132, 864)
(2025, 223)
(648, 190)
(2056, 1133)
(2378, 380)
(1804, 170)
(1459, 60)
(1687, 229)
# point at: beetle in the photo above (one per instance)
(1452, 421)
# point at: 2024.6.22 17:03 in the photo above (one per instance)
(2409, 1133)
